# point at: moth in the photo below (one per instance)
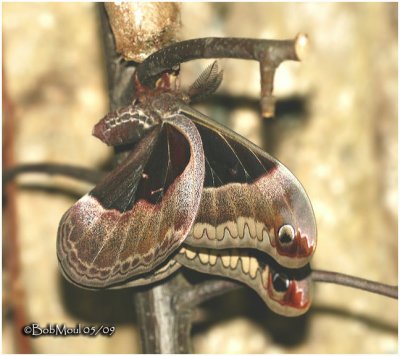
(190, 192)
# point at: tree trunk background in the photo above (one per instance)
(336, 129)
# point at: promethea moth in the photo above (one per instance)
(190, 192)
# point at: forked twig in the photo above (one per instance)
(269, 53)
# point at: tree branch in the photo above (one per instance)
(85, 174)
(355, 282)
(203, 292)
(119, 72)
(162, 329)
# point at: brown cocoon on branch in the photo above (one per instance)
(141, 28)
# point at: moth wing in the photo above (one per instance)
(162, 271)
(139, 213)
(248, 197)
(287, 292)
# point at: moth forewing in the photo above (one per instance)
(249, 198)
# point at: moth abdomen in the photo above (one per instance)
(124, 126)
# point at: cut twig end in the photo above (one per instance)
(301, 46)
(268, 106)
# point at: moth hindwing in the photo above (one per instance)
(286, 292)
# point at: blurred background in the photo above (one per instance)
(335, 129)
